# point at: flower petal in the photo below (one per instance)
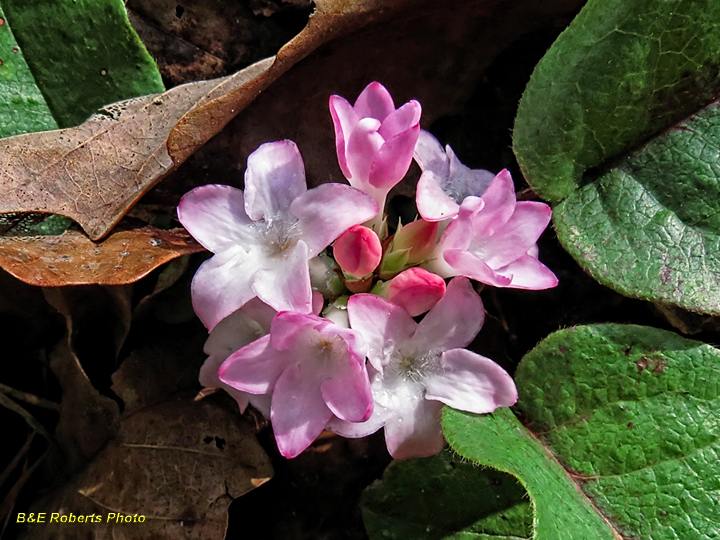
(430, 155)
(298, 412)
(464, 181)
(347, 392)
(529, 273)
(401, 120)
(215, 216)
(432, 202)
(356, 430)
(288, 327)
(344, 120)
(222, 284)
(517, 236)
(274, 178)
(382, 324)
(471, 382)
(284, 282)
(325, 212)
(393, 159)
(255, 368)
(455, 320)
(414, 430)
(374, 102)
(363, 144)
(208, 377)
(499, 205)
(470, 265)
(241, 327)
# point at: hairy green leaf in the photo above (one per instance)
(622, 73)
(622, 434)
(445, 497)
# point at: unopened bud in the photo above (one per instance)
(415, 289)
(358, 252)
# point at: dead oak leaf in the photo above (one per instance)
(73, 259)
(95, 172)
(179, 464)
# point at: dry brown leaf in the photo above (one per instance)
(179, 464)
(73, 259)
(94, 172)
(87, 418)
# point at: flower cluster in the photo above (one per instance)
(312, 307)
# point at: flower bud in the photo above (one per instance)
(411, 245)
(416, 290)
(358, 252)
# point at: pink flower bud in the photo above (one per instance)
(358, 251)
(416, 290)
(411, 245)
(419, 237)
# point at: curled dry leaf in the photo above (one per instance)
(95, 172)
(73, 259)
(179, 464)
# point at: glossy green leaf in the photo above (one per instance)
(623, 427)
(445, 497)
(22, 107)
(83, 54)
(622, 73)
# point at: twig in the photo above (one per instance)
(31, 399)
(8, 504)
(16, 460)
(29, 418)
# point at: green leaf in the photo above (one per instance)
(623, 72)
(83, 54)
(650, 226)
(624, 428)
(445, 497)
(22, 106)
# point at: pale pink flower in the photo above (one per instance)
(358, 251)
(493, 240)
(374, 140)
(242, 327)
(418, 367)
(264, 237)
(445, 182)
(314, 369)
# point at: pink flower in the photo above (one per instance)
(314, 369)
(493, 240)
(358, 251)
(243, 326)
(418, 367)
(445, 182)
(374, 140)
(415, 289)
(264, 237)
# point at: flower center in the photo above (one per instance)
(412, 367)
(279, 235)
